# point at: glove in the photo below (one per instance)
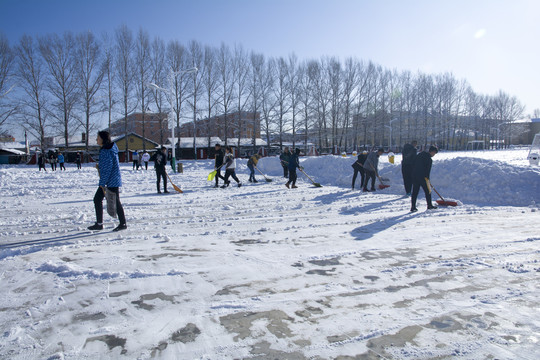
(428, 184)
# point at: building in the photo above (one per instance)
(156, 126)
(242, 124)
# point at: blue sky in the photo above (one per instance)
(493, 44)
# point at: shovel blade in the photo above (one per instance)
(447, 203)
(382, 186)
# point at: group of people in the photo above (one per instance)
(56, 159)
(415, 169)
(290, 162)
(139, 158)
(226, 160)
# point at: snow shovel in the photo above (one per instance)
(442, 202)
(174, 186)
(381, 185)
(316, 184)
(265, 178)
(213, 174)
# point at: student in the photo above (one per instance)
(218, 163)
(371, 167)
(145, 158)
(252, 162)
(284, 160)
(421, 172)
(407, 165)
(41, 162)
(230, 168)
(135, 160)
(52, 161)
(294, 163)
(358, 167)
(78, 160)
(61, 162)
(160, 162)
(109, 179)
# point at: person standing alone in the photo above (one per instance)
(109, 180)
(160, 162)
(407, 165)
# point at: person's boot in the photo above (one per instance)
(120, 227)
(287, 185)
(96, 226)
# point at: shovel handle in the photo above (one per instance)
(436, 191)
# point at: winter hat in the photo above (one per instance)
(297, 150)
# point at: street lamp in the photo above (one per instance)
(169, 93)
(390, 127)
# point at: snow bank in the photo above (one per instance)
(470, 180)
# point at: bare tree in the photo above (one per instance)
(210, 85)
(7, 61)
(225, 85)
(282, 93)
(125, 75)
(241, 69)
(30, 74)
(58, 53)
(305, 100)
(159, 76)
(109, 77)
(294, 91)
(143, 74)
(350, 86)
(505, 109)
(256, 88)
(177, 61)
(90, 74)
(196, 58)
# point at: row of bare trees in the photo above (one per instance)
(62, 84)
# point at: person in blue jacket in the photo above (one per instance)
(110, 178)
(294, 162)
(61, 161)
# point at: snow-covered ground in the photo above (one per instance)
(264, 272)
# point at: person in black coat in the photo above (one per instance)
(358, 167)
(407, 165)
(421, 171)
(284, 160)
(218, 163)
(41, 162)
(294, 163)
(160, 162)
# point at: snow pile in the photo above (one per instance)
(470, 180)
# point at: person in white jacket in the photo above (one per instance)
(230, 168)
(145, 158)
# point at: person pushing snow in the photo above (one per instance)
(421, 172)
(371, 167)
